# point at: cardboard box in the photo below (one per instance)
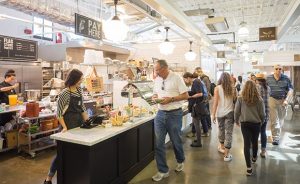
(12, 138)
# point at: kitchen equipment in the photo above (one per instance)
(33, 95)
(1, 143)
(32, 109)
(12, 100)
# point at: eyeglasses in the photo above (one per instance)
(163, 85)
(278, 68)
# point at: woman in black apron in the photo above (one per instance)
(71, 112)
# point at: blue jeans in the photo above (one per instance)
(53, 167)
(263, 135)
(171, 123)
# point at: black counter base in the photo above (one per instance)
(115, 160)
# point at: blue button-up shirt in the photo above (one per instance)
(279, 88)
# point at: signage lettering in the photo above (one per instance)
(88, 27)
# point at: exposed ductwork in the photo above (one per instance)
(216, 24)
(199, 11)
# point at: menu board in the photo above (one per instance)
(16, 49)
(88, 27)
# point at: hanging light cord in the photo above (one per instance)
(115, 3)
(191, 42)
(167, 29)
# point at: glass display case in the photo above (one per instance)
(143, 89)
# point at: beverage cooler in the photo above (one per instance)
(28, 74)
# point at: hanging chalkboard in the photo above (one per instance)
(88, 27)
(16, 49)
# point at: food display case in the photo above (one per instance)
(138, 93)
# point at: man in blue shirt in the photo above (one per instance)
(281, 91)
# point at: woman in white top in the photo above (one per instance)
(223, 107)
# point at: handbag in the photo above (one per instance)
(94, 83)
(200, 109)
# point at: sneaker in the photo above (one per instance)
(179, 167)
(159, 176)
(276, 143)
(228, 158)
(221, 150)
(205, 135)
(47, 182)
(249, 172)
(191, 134)
(195, 144)
(253, 160)
(263, 154)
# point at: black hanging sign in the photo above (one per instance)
(88, 27)
(16, 49)
(267, 33)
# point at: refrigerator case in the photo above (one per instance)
(29, 75)
(142, 96)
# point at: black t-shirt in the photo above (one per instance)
(196, 88)
(4, 94)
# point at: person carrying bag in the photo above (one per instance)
(197, 105)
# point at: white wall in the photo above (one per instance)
(149, 50)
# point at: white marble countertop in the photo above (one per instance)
(90, 137)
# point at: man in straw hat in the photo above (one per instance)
(281, 92)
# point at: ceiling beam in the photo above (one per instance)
(172, 13)
(289, 20)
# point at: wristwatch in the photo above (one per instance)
(172, 99)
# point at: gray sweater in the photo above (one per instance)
(249, 113)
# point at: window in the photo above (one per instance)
(42, 29)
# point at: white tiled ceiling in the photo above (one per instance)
(257, 13)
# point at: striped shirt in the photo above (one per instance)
(279, 88)
(64, 100)
(265, 94)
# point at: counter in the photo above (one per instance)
(105, 155)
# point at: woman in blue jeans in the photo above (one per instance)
(71, 112)
(264, 91)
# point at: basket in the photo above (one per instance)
(94, 83)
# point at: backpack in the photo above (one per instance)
(212, 85)
(212, 88)
(238, 87)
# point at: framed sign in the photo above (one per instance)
(297, 57)
(88, 27)
(16, 49)
(267, 34)
(220, 54)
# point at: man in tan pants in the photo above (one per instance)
(281, 91)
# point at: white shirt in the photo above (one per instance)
(225, 104)
(172, 86)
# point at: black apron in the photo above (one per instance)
(73, 115)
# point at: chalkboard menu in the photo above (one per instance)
(16, 49)
(88, 27)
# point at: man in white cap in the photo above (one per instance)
(281, 92)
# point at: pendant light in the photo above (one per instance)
(166, 47)
(243, 30)
(190, 55)
(115, 29)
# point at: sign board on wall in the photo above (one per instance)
(267, 33)
(297, 57)
(16, 49)
(88, 27)
(220, 54)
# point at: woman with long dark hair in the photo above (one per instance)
(225, 95)
(196, 95)
(264, 91)
(71, 112)
(250, 113)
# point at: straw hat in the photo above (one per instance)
(260, 76)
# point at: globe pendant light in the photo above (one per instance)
(190, 55)
(115, 29)
(243, 30)
(166, 47)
